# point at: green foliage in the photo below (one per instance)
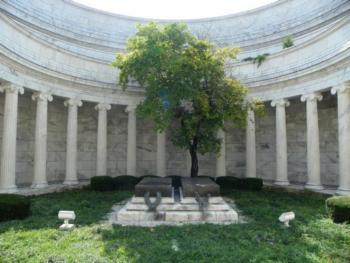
(312, 236)
(185, 85)
(14, 207)
(287, 42)
(339, 208)
(258, 59)
(102, 183)
(228, 183)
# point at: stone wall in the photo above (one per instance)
(177, 159)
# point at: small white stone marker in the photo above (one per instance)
(286, 217)
(66, 216)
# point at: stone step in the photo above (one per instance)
(178, 216)
(212, 200)
(178, 207)
(141, 200)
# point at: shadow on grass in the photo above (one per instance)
(311, 238)
(89, 206)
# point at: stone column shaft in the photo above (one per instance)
(250, 145)
(161, 153)
(343, 137)
(9, 136)
(72, 142)
(281, 142)
(131, 147)
(313, 144)
(101, 165)
(221, 157)
(40, 154)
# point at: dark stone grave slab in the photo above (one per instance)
(202, 185)
(154, 185)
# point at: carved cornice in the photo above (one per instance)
(280, 103)
(73, 103)
(315, 96)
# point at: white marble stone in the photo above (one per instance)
(101, 163)
(40, 156)
(72, 134)
(281, 142)
(9, 135)
(131, 142)
(313, 144)
(343, 94)
(250, 145)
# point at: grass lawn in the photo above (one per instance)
(312, 237)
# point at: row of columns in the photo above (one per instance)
(8, 149)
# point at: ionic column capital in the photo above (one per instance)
(73, 102)
(343, 87)
(42, 96)
(11, 88)
(103, 107)
(130, 108)
(315, 96)
(280, 103)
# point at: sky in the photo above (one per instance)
(174, 9)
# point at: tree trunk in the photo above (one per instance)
(194, 158)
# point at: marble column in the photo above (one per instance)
(281, 142)
(313, 144)
(40, 153)
(101, 165)
(250, 145)
(343, 92)
(131, 147)
(221, 157)
(9, 136)
(161, 154)
(72, 142)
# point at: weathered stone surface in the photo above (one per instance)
(202, 186)
(154, 185)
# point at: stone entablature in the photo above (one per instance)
(91, 24)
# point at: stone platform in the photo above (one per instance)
(187, 211)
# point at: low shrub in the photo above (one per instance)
(102, 183)
(338, 208)
(14, 207)
(125, 182)
(228, 183)
(255, 184)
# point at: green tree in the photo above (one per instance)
(185, 86)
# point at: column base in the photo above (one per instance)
(9, 190)
(70, 182)
(39, 185)
(313, 186)
(281, 183)
(342, 191)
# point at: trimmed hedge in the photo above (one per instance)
(125, 182)
(102, 183)
(14, 207)
(338, 208)
(228, 183)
